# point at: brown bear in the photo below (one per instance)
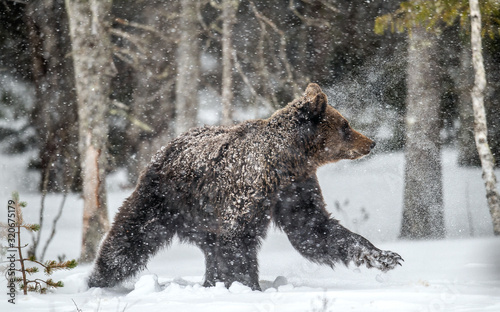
(220, 187)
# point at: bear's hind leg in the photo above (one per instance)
(231, 261)
(128, 246)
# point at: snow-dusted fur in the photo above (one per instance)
(220, 187)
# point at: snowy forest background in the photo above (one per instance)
(166, 66)
(279, 47)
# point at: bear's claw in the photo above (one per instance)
(383, 260)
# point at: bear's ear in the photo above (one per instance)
(315, 101)
(312, 90)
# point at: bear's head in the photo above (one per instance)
(330, 137)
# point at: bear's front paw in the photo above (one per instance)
(380, 259)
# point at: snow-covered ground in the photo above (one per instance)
(461, 273)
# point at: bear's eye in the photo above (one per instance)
(345, 131)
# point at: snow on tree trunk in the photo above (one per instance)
(188, 73)
(92, 58)
(423, 194)
(228, 20)
(480, 127)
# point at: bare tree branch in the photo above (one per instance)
(237, 65)
(282, 50)
(147, 28)
(136, 40)
(307, 20)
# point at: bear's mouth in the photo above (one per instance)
(356, 154)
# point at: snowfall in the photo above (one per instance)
(459, 273)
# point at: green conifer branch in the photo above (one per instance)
(434, 14)
(25, 284)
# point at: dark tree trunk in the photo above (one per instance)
(467, 152)
(55, 113)
(423, 195)
(153, 96)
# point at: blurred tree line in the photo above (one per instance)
(178, 62)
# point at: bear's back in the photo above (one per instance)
(220, 171)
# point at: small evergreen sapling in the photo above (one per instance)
(28, 267)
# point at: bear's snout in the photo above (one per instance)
(367, 147)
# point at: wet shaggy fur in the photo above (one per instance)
(220, 187)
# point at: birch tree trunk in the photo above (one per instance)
(228, 19)
(188, 72)
(480, 127)
(423, 194)
(92, 58)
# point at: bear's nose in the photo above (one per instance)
(373, 145)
